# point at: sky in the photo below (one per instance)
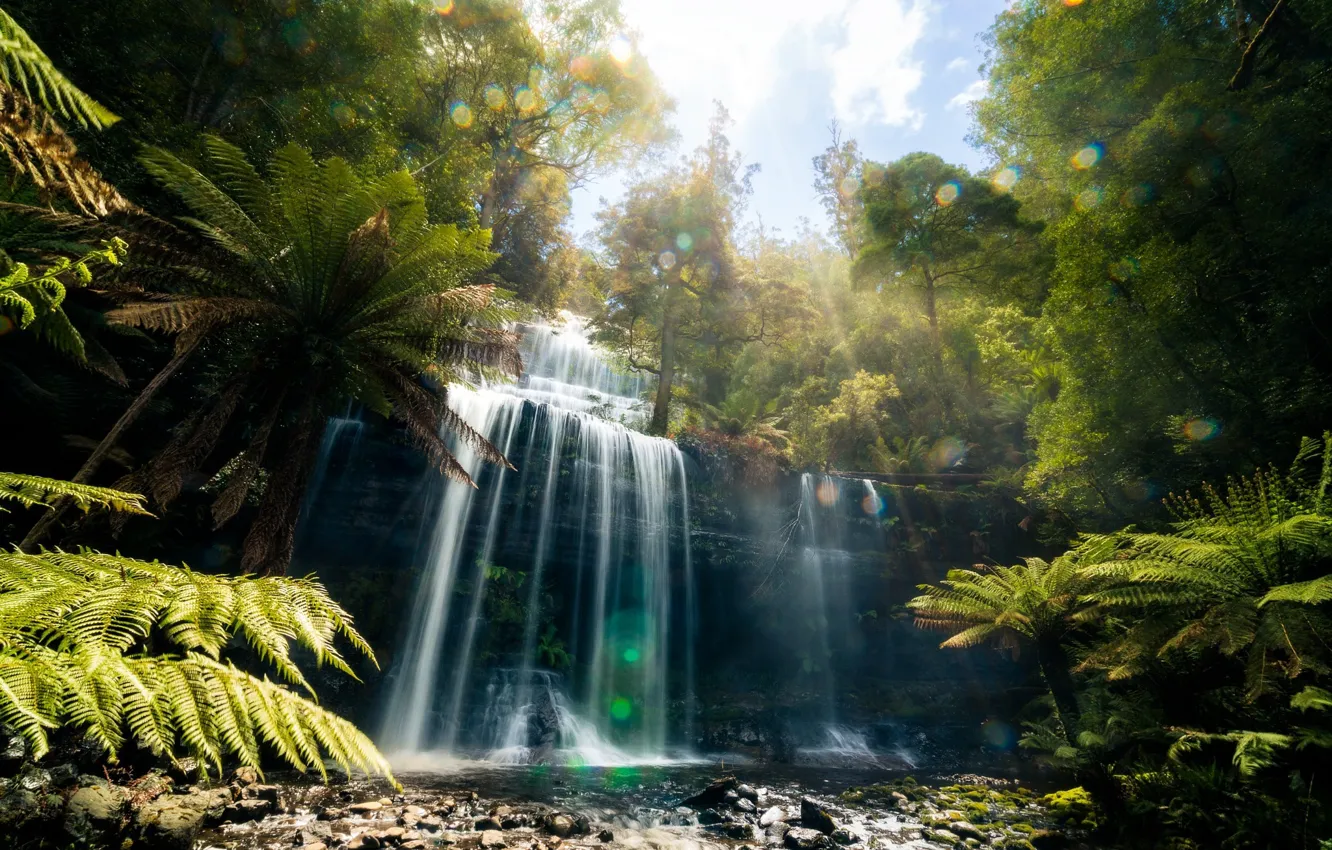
(897, 76)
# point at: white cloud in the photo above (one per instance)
(736, 50)
(973, 92)
(961, 63)
(874, 71)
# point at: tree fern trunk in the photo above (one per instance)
(42, 528)
(1053, 661)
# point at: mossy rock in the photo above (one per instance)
(976, 811)
(1071, 806)
(1014, 844)
(1023, 827)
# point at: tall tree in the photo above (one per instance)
(933, 226)
(677, 284)
(837, 176)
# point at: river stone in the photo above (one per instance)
(708, 817)
(962, 829)
(263, 792)
(747, 792)
(315, 832)
(560, 824)
(738, 830)
(393, 834)
(365, 808)
(814, 816)
(803, 838)
(746, 805)
(318, 845)
(712, 796)
(484, 824)
(492, 838)
(606, 835)
(842, 835)
(775, 834)
(247, 810)
(772, 816)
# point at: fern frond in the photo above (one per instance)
(34, 491)
(24, 66)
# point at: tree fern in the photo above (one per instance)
(75, 629)
(1238, 574)
(25, 67)
(321, 286)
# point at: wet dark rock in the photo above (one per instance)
(710, 816)
(17, 807)
(262, 792)
(712, 796)
(605, 836)
(33, 779)
(64, 775)
(490, 822)
(775, 834)
(744, 804)
(814, 816)
(803, 838)
(242, 811)
(842, 835)
(13, 751)
(738, 830)
(747, 792)
(364, 841)
(1045, 839)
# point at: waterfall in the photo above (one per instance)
(595, 505)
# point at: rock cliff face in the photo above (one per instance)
(801, 585)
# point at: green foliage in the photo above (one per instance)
(33, 491)
(24, 66)
(82, 640)
(35, 301)
(1240, 574)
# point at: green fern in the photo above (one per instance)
(34, 301)
(33, 491)
(24, 66)
(1239, 574)
(74, 635)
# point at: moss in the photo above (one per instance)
(1014, 844)
(977, 796)
(1070, 806)
(976, 811)
(1023, 827)
(853, 795)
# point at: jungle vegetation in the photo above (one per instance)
(221, 224)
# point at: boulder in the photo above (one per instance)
(318, 845)
(714, 795)
(814, 816)
(263, 792)
(1046, 839)
(772, 816)
(775, 834)
(842, 835)
(747, 792)
(738, 830)
(492, 838)
(95, 814)
(605, 836)
(170, 822)
(803, 838)
(244, 776)
(489, 822)
(17, 806)
(745, 804)
(708, 817)
(316, 832)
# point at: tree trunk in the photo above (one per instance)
(47, 522)
(661, 411)
(271, 540)
(932, 313)
(1053, 661)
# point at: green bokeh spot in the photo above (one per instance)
(631, 655)
(621, 708)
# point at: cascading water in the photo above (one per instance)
(593, 497)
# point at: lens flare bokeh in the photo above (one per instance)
(1088, 199)
(1088, 156)
(1201, 429)
(948, 193)
(947, 453)
(1006, 178)
(461, 114)
(684, 242)
(826, 493)
(666, 259)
